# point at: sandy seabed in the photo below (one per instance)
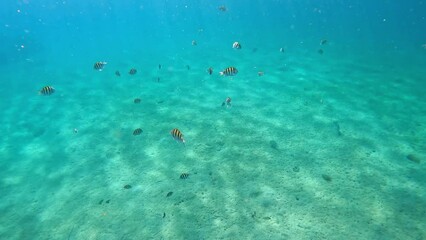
(316, 148)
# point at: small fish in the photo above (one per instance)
(159, 66)
(413, 158)
(260, 74)
(229, 71)
(222, 8)
(99, 65)
(210, 70)
(194, 43)
(137, 100)
(184, 176)
(47, 90)
(188, 67)
(282, 50)
(326, 177)
(320, 51)
(158, 79)
(132, 71)
(117, 73)
(323, 42)
(177, 135)
(227, 102)
(127, 186)
(137, 131)
(236, 45)
(169, 194)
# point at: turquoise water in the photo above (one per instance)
(322, 146)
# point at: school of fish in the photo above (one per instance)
(227, 72)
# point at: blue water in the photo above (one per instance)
(322, 146)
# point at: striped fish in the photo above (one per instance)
(47, 90)
(132, 71)
(236, 45)
(229, 71)
(99, 65)
(137, 131)
(184, 176)
(177, 135)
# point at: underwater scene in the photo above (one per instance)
(222, 119)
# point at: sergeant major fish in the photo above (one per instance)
(236, 45)
(177, 135)
(99, 65)
(229, 71)
(47, 90)
(227, 102)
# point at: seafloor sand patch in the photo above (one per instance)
(306, 151)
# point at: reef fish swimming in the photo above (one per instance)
(47, 90)
(184, 176)
(132, 71)
(99, 65)
(137, 131)
(227, 102)
(229, 71)
(236, 45)
(210, 70)
(177, 135)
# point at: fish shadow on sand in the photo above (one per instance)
(337, 127)
(274, 145)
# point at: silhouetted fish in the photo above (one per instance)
(210, 70)
(117, 73)
(227, 102)
(137, 131)
(132, 71)
(184, 176)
